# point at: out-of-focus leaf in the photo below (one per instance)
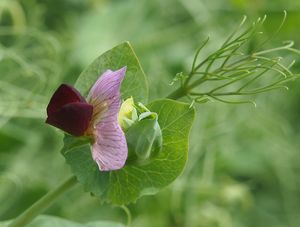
(50, 221)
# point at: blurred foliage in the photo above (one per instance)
(243, 167)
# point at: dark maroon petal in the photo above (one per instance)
(63, 95)
(73, 118)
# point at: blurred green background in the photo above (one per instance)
(243, 167)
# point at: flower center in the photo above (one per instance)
(99, 108)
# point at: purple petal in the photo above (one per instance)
(63, 95)
(73, 118)
(110, 148)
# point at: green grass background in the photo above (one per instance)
(243, 168)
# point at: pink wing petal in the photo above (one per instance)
(110, 148)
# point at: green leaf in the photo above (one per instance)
(134, 83)
(135, 180)
(51, 221)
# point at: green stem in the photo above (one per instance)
(177, 94)
(28, 215)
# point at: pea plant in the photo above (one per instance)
(121, 147)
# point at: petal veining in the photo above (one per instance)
(109, 149)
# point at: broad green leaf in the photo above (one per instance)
(51, 221)
(134, 83)
(134, 180)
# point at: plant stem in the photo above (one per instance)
(178, 93)
(28, 215)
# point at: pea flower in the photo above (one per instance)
(96, 117)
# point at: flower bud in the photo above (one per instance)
(144, 137)
(127, 114)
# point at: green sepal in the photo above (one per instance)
(144, 140)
